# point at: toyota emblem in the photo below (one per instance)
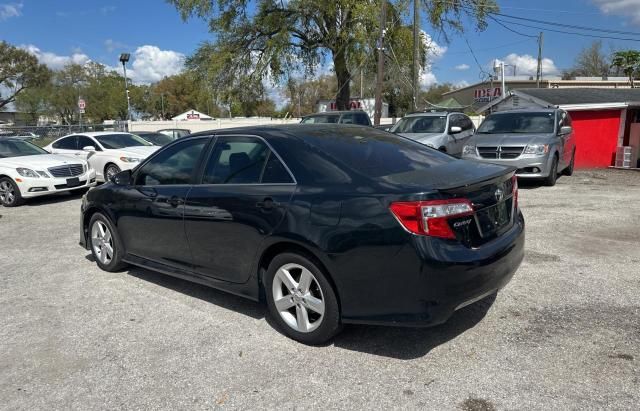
(499, 194)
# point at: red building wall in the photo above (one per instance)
(596, 137)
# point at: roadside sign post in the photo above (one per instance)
(81, 106)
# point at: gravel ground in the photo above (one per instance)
(564, 334)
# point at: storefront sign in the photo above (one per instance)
(485, 95)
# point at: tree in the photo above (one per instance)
(590, 62)
(19, 71)
(628, 61)
(34, 102)
(260, 39)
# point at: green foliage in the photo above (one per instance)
(590, 62)
(628, 61)
(273, 39)
(19, 71)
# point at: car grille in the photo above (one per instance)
(71, 170)
(502, 152)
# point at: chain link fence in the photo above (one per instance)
(43, 135)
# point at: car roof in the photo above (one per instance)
(285, 130)
(528, 110)
(432, 114)
(336, 113)
(96, 133)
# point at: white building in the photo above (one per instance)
(365, 104)
(192, 115)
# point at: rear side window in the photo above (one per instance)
(244, 160)
(67, 143)
(374, 153)
(362, 118)
(173, 166)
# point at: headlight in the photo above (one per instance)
(537, 149)
(43, 174)
(469, 150)
(130, 159)
(27, 172)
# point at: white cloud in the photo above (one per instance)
(112, 45)
(462, 67)
(434, 52)
(527, 65)
(150, 64)
(626, 8)
(461, 84)
(55, 61)
(9, 10)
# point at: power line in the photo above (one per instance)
(510, 29)
(569, 32)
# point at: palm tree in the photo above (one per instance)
(628, 61)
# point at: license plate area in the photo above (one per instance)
(495, 219)
(73, 182)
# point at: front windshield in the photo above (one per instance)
(504, 123)
(18, 148)
(157, 139)
(421, 124)
(321, 119)
(116, 141)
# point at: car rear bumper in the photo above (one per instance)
(437, 281)
(35, 187)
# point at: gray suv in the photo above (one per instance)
(539, 143)
(447, 132)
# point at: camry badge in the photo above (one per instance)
(499, 195)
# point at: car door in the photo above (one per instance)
(151, 211)
(67, 146)
(84, 141)
(564, 148)
(243, 196)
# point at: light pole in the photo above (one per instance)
(124, 57)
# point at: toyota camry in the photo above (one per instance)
(328, 224)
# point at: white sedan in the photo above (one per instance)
(27, 171)
(107, 152)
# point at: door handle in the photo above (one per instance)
(267, 204)
(175, 201)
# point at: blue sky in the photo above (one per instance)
(70, 30)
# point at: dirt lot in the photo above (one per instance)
(564, 334)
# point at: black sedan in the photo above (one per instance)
(329, 224)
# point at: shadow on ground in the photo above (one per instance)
(54, 198)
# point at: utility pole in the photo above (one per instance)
(124, 58)
(416, 50)
(380, 77)
(361, 83)
(539, 72)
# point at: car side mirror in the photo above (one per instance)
(455, 130)
(89, 148)
(566, 130)
(123, 178)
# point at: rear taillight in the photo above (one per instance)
(514, 180)
(430, 217)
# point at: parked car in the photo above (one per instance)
(540, 143)
(107, 152)
(21, 135)
(175, 133)
(447, 132)
(338, 117)
(154, 137)
(28, 171)
(331, 224)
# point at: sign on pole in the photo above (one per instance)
(82, 104)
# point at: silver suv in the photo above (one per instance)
(447, 132)
(540, 143)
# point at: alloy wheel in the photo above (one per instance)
(7, 192)
(112, 171)
(298, 297)
(102, 242)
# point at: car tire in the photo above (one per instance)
(553, 173)
(109, 171)
(10, 193)
(105, 244)
(569, 170)
(301, 300)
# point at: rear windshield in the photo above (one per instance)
(504, 123)
(116, 141)
(321, 119)
(157, 139)
(376, 154)
(421, 124)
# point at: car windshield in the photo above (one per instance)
(18, 148)
(504, 123)
(157, 139)
(377, 154)
(329, 118)
(421, 124)
(116, 141)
